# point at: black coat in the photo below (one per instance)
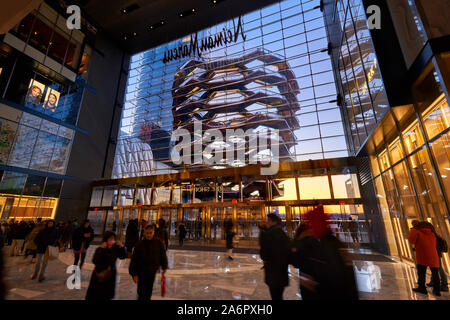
(78, 237)
(104, 258)
(229, 238)
(148, 257)
(325, 262)
(275, 252)
(162, 234)
(132, 235)
(46, 237)
(182, 231)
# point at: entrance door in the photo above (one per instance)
(112, 216)
(247, 219)
(192, 218)
(170, 217)
(218, 217)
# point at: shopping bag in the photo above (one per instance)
(163, 285)
(53, 252)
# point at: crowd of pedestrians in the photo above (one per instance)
(325, 269)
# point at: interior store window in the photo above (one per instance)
(345, 186)
(407, 196)
(395, 151)
(314, 188)
(384, 208)
(441, 153)
(413, 137)
(431, 201)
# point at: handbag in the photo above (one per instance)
(53, 252)
(104, 275)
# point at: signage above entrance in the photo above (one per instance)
(197, 47)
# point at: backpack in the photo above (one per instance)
(441, 244)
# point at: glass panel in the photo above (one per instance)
(314, 188)
(283, 189)
(395, 151)
(96, 219)
(384, 208)
(407, 197)
(427, 191)
(384, 161)
(162, 195)
(109, 196)
(12, 182)
(52, 187)
(345, 186)
(393, 199)
(437, 117)
(441, 152)
(34, 185)
(412, 137)
(96, 197)
(41, 34)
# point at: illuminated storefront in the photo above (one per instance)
(401, 125)
(204, 199)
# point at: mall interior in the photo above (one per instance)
(355, 93)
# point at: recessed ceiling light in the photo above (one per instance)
(193, 10)
(181, 14)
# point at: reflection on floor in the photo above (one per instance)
(207, 275)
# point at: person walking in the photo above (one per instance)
(102, 285)
(441, 247)
(148, 257)
(131, 236)
(353, 229)
(81, 241)
(30, 244)
(48, 236)
(66, 236)
(229, 236)
(275, 252)
(423, 242)
(161, 233)
(181, 233)
(326, 271)
(18, 237)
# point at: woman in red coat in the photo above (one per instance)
(423, 242)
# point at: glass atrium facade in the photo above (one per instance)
(279, 77)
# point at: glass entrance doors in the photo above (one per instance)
(218, 216)
(170, 216)
(247, 219)
(193, 221)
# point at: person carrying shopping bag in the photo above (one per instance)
(48, 236)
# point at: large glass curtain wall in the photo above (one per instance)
(288, 38)
(361, 84)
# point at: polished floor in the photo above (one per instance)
(205, 275)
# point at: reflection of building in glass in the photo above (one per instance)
(257, 91)
(258, 83)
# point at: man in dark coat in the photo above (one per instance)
(275, 251)
(46, 237)
(181, 233)
(81, 241)
(148, 256)
(326, 271)
(131, 236)
(161, 233)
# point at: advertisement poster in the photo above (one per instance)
(35, 92)
(7, 132)
(51, 100)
